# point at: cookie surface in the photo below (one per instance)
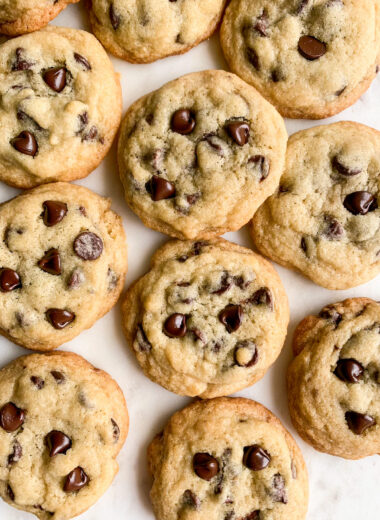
(61, 106)
(333, 382)
(62, 424)
(208, 319)
(143, 32)
(62, 264)
(227, 459)
(324, 220)
(23, 16)
(200, 155)
(310, 58)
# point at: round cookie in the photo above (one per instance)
(61, 106)
(334, 383)
(62, 264)
(324, 219)
(143, 32)
(208, 319)
(200, 155)
(310, 58)
(24, 16)
(228, 459)
(62, 424)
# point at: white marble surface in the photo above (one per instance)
(339, 489)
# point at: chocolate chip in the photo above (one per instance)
(277, 75)
(238, 131)
(21, 63)
(190, 499)
(260, 163)
(51, 262)
(57, 442)
(115, 430)
(344, 170)
(360, 202)
(175, 326)
(329, 313)
(333, 229)
(205, 466)
(75, 279)
(303, 245)
(253, 58)
(92, 135)
(9, 280)
(25, 143)
(114, 17)
(262, 296)
(142, 340)
(55, 78)
(193, 198)
(58, 376)
(160, 188)
(75, 480)
(82, 61)
(10, 493)
(246, 354)
(226, 456)
(255, 457)
(54, 212)
(88, 246)
(255, 515)
(199, 335)
(279, 493)
(59, 318)
(261, 25)
(231, 317)
(11, 417)
(340, 91)
(214, 142)
(311, 48)
(16, 454)
(183, 121)
(349, 370)
(359, 422)
(225, 284)
(38, 382)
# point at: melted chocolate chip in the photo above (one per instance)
(82, 61)
(262, 296)
(114, 17)
(175, 326)
(279, 493)
(38, 382)
(11, 417)
(9, 280)
(59, 318)
(214, 142)
(360, 202)
(58, 376)
(57, 442)
(246, 354)
(92, 135)
(21, 63)
(311, 48)
(261, 25)
(142, 340)
(349, 370)
(359, 422)
(342, 169)
(225, 461)
(75, 480)
(238, 131)
(115, 430)
(55, 78)
(253, 58)
(333, 229)
(76, 279)
(205, 466)
(51, 262)
(25, 143)
(10, 493)
(261, 163)
(255, 515)
(190, 499)
(225, 284)
(231, 317)
(199, 335)
(88, 246)
(160, 188)
(255, 457)
(54, 212)
(329, 313)
(16, 454)
(183, 121)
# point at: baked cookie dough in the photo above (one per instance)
(310, 58)
(208, 319)
(60, 106)
(62, 264)
(324, 220)
(227, 459)
(334, 382)
(142, 31)
(62, 424)
(199, 156)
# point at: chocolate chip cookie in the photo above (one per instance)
(200, 155)
(324, 219)
(62, 264)
(310, 58)
(60, 106)
(145, 31)
(334, 380)
(62, 424)
(208, 319)
(227, 459)
(24, 16)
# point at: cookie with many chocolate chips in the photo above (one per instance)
(310, 58)
(142, 32)
(208, 319)
(334, 380)
(24, 16)
(62, 424)
(324, 220)
(200, 155)
(227, 459)
(62, 264)
(60, 106)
